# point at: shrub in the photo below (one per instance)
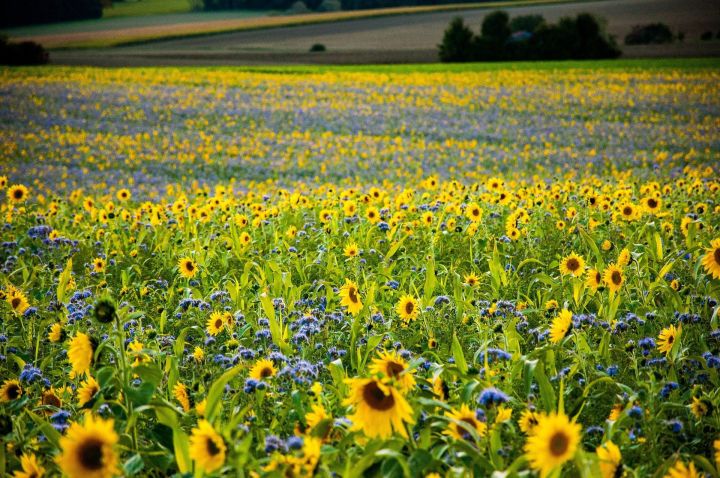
(706, 36)
(496, 26)
(25, 53)
(526, 23)
(17, 12)
(317, 47)
(457, 42)
(298, 8)
(330, 6)
(646, 34)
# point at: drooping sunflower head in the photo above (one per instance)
(553, 442)
(468, 418)
(594, 279)
(88, 449)
(104, 310)
(10, 390)
(207, 447)
(560, 326)
(188, 267)
(87, 391)
(609, 457)
(180, 393)
(263, 369)
(80, 353)
(395, 368)
(380, 408)
(30, 467)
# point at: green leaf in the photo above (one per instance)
(217, 389)
(52, 435)
(181, 446)
(64, 280)
(458, 355)
(133, 465)
(547, 394)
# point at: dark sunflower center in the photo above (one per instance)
(15, 302)
(14, 391)
(90, 454)
(671, 339)
(189, 266)
(716, 255)
(376, 398)
(616, 277)
(266, 372)
(598, 277)
(371, 214)
(352, 294)
(409, 307)
(573, 264)
(475, 212)
(559, 444)
(652, 203)
(218, 323)
(51, 399)
(212, 447)
(394, 369)
(627, 211)
(18, 194)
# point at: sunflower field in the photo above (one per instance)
(508, 271)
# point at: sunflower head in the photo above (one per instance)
(463, 419)
(188, 267)
(207, 447)
(10, 391)
(553, 442)
(392, 366)
(104, 310)
(711, 259)
(88, 449)
(379, 408)
(263, 369)
(407, 308)
(572, 265)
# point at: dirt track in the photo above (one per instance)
(405, 38)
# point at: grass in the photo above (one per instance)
(146, 7)
(134, 36)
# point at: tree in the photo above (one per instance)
(457, 42)
(496, 26)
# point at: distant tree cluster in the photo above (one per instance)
(527, 37)
(319, 5)
(652, 33)
(28, 12)
(24, 53)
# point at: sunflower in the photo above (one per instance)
(628, 211)
(198, 354)
(87, 391)
(181, 395)
(393, 366)
(528, 421)
(30, 467)
(572, 264)
(467, 417)
(440, 388)
(624, 257)
(609, 456)
(594, 279)
(263, 369)
(380, 408)
(188, 267)
(80, 353)
(17, 301)
(613, 277)
(700, 407)
(215, 323)
(651, 204)
(560, 326)
(50, 399)
(351, 250)
(17, 193)
(350, 297)
(553, 442)
(372, 215)
(680, 470)
(88, 449)
(473, 212)
(316, 415)
(667, 338)
(99, 265)
(10, 390)
(471, 279)
(123, 195)
(716, 445)
(711, 259)
(207, 447)
(407, 308)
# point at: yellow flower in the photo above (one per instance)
(88, 449)
(667, 338)
(680, 470)
(407, 308)
(87, 391)
(123, 195)
(594, 279)
(30, 467)
(215, 323)
(263, 369)
(528, 421)
(351, 250)
(613, 277)
(10, 390)
(572, 264)
(17, 301)
(98, 265)
(471, 279)
(181, 395)
(609, 456)
(711, 259)
(394, 367)
(553, 442)
(350, 297)
(560, 326)
(56, 334)
(379, 409)
(198, 354)
(17, 193)
(80, 353)
(187, 267)
(207, 447)
(503, 414)
(467, 417)
(473, 212)
(316, 415)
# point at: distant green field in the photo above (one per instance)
(137, 8)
